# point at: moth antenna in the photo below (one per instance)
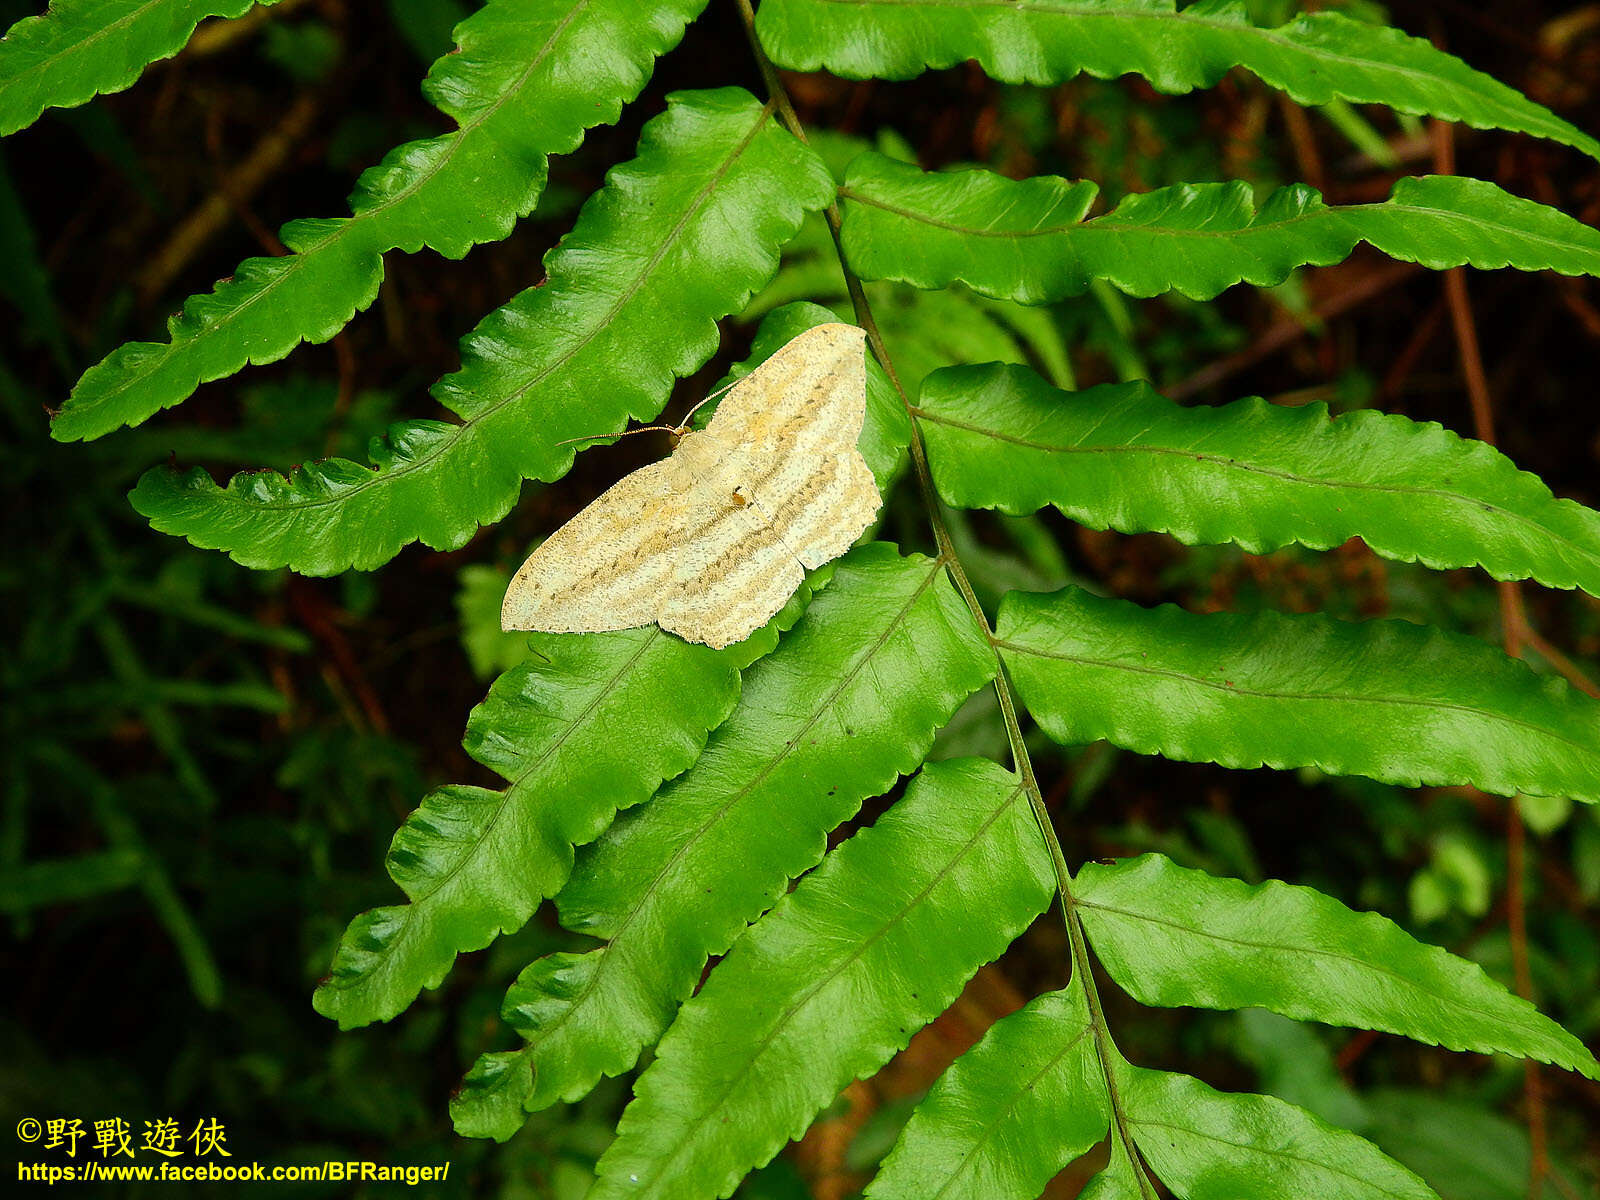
(706, 399)
(600, 437)
(676, 430)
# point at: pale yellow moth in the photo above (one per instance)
(710, 542)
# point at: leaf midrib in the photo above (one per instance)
(1285, 949)
(1107, 222)
(1309, 697)
(73, 47)
(1015, 1098)
(1269, 1151)
(1236, 464)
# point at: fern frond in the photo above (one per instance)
(1401, 703)
(848, 703)
(1263, 476)
(1315, 58)
(1176, 937)
(833, 981)
(1211, 1145)
(686, 232)
(80, 49)
(1027, 240)
(586, 726)
(1007, 1115)
(527, 78)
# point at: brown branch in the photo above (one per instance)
(316, 615)
(235, 189)
(1571, 292)
(1304, 141)
(1289, 329)
(213, 37)
(1394, 379)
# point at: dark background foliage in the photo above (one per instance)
(203, 766)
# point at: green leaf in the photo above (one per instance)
(1400, 703)
(480, 589)
(589, 724)
(1263, 476)
(828, 986)
(528, 77)
(1027, 240)
(1210, 1145)
(80, 49)
(257, 315)
(1009, 1114)
(48, 881)
(848, 702)
(676, 239)
(1315, 58)
(1175, 937)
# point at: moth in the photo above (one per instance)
(710, 542)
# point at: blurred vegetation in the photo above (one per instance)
(203, 766)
